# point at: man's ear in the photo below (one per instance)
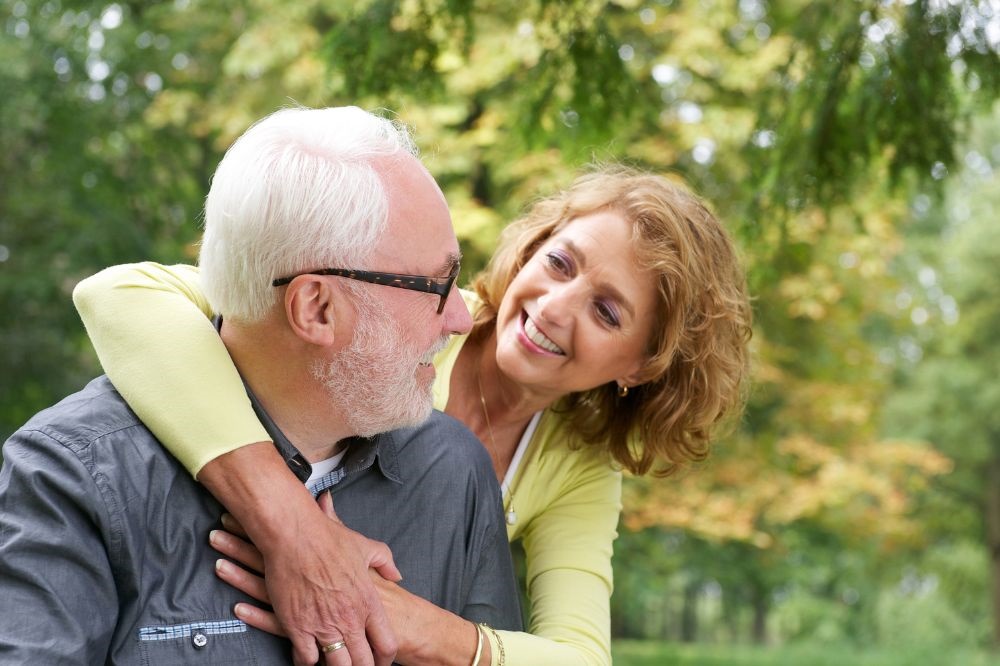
(313, 307)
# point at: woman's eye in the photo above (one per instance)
(607, 313)
(559, 262)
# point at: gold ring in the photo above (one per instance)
(333, 647)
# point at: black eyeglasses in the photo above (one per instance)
(431, 285)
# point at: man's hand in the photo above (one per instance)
(317, 569)
(423, 629)
(322, 594)
(255, 586)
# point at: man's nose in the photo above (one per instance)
(456, 319)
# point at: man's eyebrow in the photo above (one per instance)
(449, 263)
(606, 287)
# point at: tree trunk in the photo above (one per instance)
(760, 610)
(667, 630)
(993, 538)
(689, 614)
(730, 616)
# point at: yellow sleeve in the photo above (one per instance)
(151, 327)
(568, 547)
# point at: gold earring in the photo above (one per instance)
(622, 390)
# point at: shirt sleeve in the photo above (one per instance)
(492, 598)
(59, 602)
(568, 549)
(150, 325)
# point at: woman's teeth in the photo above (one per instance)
(539, 338)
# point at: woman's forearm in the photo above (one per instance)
(429, 635)
(247, 480)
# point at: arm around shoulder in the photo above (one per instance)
(150, 325)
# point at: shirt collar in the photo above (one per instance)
(362, 452)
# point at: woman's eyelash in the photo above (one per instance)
(559, 261)
(607, 314)
(563, 264)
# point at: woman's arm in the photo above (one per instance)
(150, 326)
(568, 545)
(569, 585)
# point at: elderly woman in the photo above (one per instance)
(611, 332)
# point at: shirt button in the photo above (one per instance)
(199, 640)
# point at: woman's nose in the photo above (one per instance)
(557, 305)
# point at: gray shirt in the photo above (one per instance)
(104, 554)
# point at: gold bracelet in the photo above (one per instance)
(502, 657)
(479, 646)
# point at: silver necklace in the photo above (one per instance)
(511, 515)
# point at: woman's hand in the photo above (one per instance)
(249, 582)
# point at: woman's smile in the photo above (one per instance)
(536, 338)
(581, 301)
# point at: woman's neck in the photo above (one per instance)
(496, 408)
(509, 401)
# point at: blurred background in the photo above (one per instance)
(852, 147)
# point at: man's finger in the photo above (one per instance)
(357, 653)
(304, 650)
(339, 657)
(381, 639)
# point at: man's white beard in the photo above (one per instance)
(373, 381)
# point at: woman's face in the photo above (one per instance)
(580, 313)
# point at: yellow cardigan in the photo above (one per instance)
(150, 326)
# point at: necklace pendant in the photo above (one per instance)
(511, 516)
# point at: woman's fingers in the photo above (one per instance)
(259, 618)
(233, 525)
(249, 584)
(326, 503)
(237, 549)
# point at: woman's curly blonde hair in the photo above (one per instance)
(698, 359)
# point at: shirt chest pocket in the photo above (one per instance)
(219, 642)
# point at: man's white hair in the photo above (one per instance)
(296, 192)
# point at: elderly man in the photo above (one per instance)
(104, 551)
